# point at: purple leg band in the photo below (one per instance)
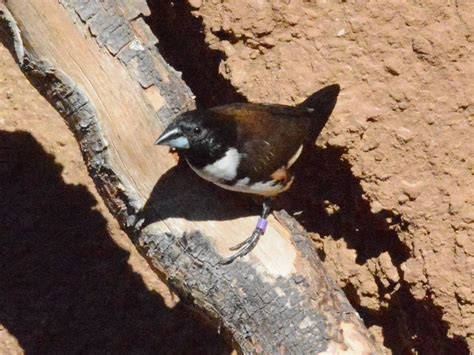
(262, 225)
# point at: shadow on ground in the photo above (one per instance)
(66, 287)
(199, 201)
(332, 204)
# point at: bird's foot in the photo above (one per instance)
(248, 244)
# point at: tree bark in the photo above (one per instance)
(96, 62)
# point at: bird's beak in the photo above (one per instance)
(174, 138)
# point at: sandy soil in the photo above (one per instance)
(71, 281)
(389, 193)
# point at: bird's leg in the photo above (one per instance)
(259, 228)
(248, 244)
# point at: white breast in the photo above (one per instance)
(224, 169)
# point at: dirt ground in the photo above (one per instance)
(71, 281)
(389, 196)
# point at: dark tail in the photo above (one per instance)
(322, 102)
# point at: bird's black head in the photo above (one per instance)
(200, 134)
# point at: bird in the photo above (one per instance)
(250, 147)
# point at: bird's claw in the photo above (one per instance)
(244, 247)
(246, 241)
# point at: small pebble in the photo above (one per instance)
(412, 190)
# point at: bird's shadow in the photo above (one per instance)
(181, 193)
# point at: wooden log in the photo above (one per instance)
(96, 62)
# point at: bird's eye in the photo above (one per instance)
(197, 130)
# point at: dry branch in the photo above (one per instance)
(97, 63)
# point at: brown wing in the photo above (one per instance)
(268, 137)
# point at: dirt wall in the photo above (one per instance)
(389, 193)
